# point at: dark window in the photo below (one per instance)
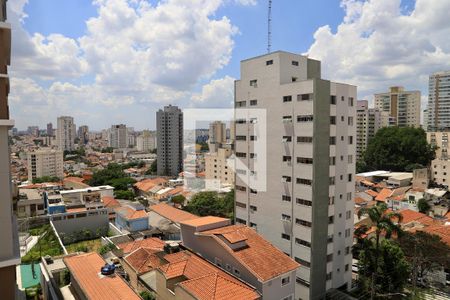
(286, 236)
(304, 181)
(303, 222)
(302, 242)
(303, 262)
(304, 139)
(333, 100)
(286, 198)
(269, 62)
(304, 160)
(287, 99)
(253, 102)
(305, 118)
(303, 202)
(295, 63)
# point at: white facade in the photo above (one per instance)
(146, 141)
(118, 136)
(439, 101)
(45, 162)
(307, 207)
(440, 166)
(217, 171)
(403, 106)
(368, 121)
(66, 133)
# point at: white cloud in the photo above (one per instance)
(132, 51)
(378, 45)
(218, 93)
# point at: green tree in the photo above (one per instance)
(179, 199)
(423, 206)
(107, 150)
(153, 168)
(146, 295)
(46, 179)
(383, 221)
(128, 195)
(211, 204)
(398, 149)
(425, 252)
(123, 183)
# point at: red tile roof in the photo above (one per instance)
(441, 230)
(383, 195)
(85, 269)
(359, 200)
(109, 201)
(147, 184)
(130, 213)
(204, 280)
(261, 258)
(143, 260)
(201, 221)
(152, 243)
(371, 193)
(173, 214)
(411, 215)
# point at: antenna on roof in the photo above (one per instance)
(269, 27)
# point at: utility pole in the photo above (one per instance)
(269, 28)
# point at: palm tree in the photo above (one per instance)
(384, 222)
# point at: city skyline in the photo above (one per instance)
(80, 80)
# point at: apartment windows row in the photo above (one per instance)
(351, 101)
(244, 103)
(302, 262)
(244, 155)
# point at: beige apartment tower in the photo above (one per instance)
(45, 162)
(403, 106)
(306, 208)
(440, 166)
(368, 121)
(438, 117)
(66, 133)
(9, 249)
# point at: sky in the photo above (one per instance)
(108, 62)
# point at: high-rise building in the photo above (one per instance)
(306, 208)
(66, 133)
(45, 162)
(118, 137)
(425, 120)
(368, 121)
(439, 101)
(83, 134)
(217, 171)
(146, 141)
(49, 129)
(217, 135)
(9, 249)
(169, 132)
(403, 106)
(440, 166)
(33, 130)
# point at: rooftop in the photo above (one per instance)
(143, 260)
(152, 243)
(171, 213)
(88, 190)
(201, 221)
(130, 213)
(262, 258)
(147, 184)
(85, 269)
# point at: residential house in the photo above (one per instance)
(131, 218)
(242, 252)
(143, 187)
(111, 204)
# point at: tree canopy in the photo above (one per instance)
(114, 176)
(397, 149)
(46, 179)
(212, 204)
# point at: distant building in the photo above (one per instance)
(66, 133)
(169, 124)
(217, 135)
(217, 171)
(368, 121)
(118, 136)
(146, 141)
(403, 106)
(45, 162)
(439, 101)
(33, 130)
(83, 134)
(440, 166)
(49, 129)
(425, 120)
(131, 137)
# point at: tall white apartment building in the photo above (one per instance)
(146, 141)
(83, 134)
(368, 121)
(169, 132)
(118, 137)
(9, 249)
(66, 133)
(45, 162)
(439, 101)
(403, 106)
(217, 135)
(440, 166)
(307, 207)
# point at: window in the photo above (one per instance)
(286, 179)
(287, 119)
(252, 155)
(285, 280)
(332, 180)
(331, 200)
(304, 160)
(302, 222)
(254, 83)
(240, 121)
(242, 172)
(253, 225)
(304, 97)
(350, 159)
(269, 62)
(347, 232)
(287, 158)
(241, 205)
(350, 140)
(286, 198)
(302, 281)
(350, 101)
(302, 243)
(241, 221)
(287, 99)
(295, 63)
(330, 219)
(253, 102)
(304, 139)
(241, 104)
(329, 276)
(304, 181)
(350, 121)
(253, 191)
(285, 217)
(342, 98)
(294, 79)
(333, 100)
(241, 154)
(332, 160)
(303, 262)
(348, 214)
(241, 138)
(347, 250)
(333, 120)
(329, 257)
(286, 236)
(350, 177)
(287, 138)
(332, 140)
(349, 196)
(303, 202)
(305, 118)
(241, 188)
(253, 138)
(330, 238)
(346, 267)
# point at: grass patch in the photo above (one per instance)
(84, 246)
(47, 245)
